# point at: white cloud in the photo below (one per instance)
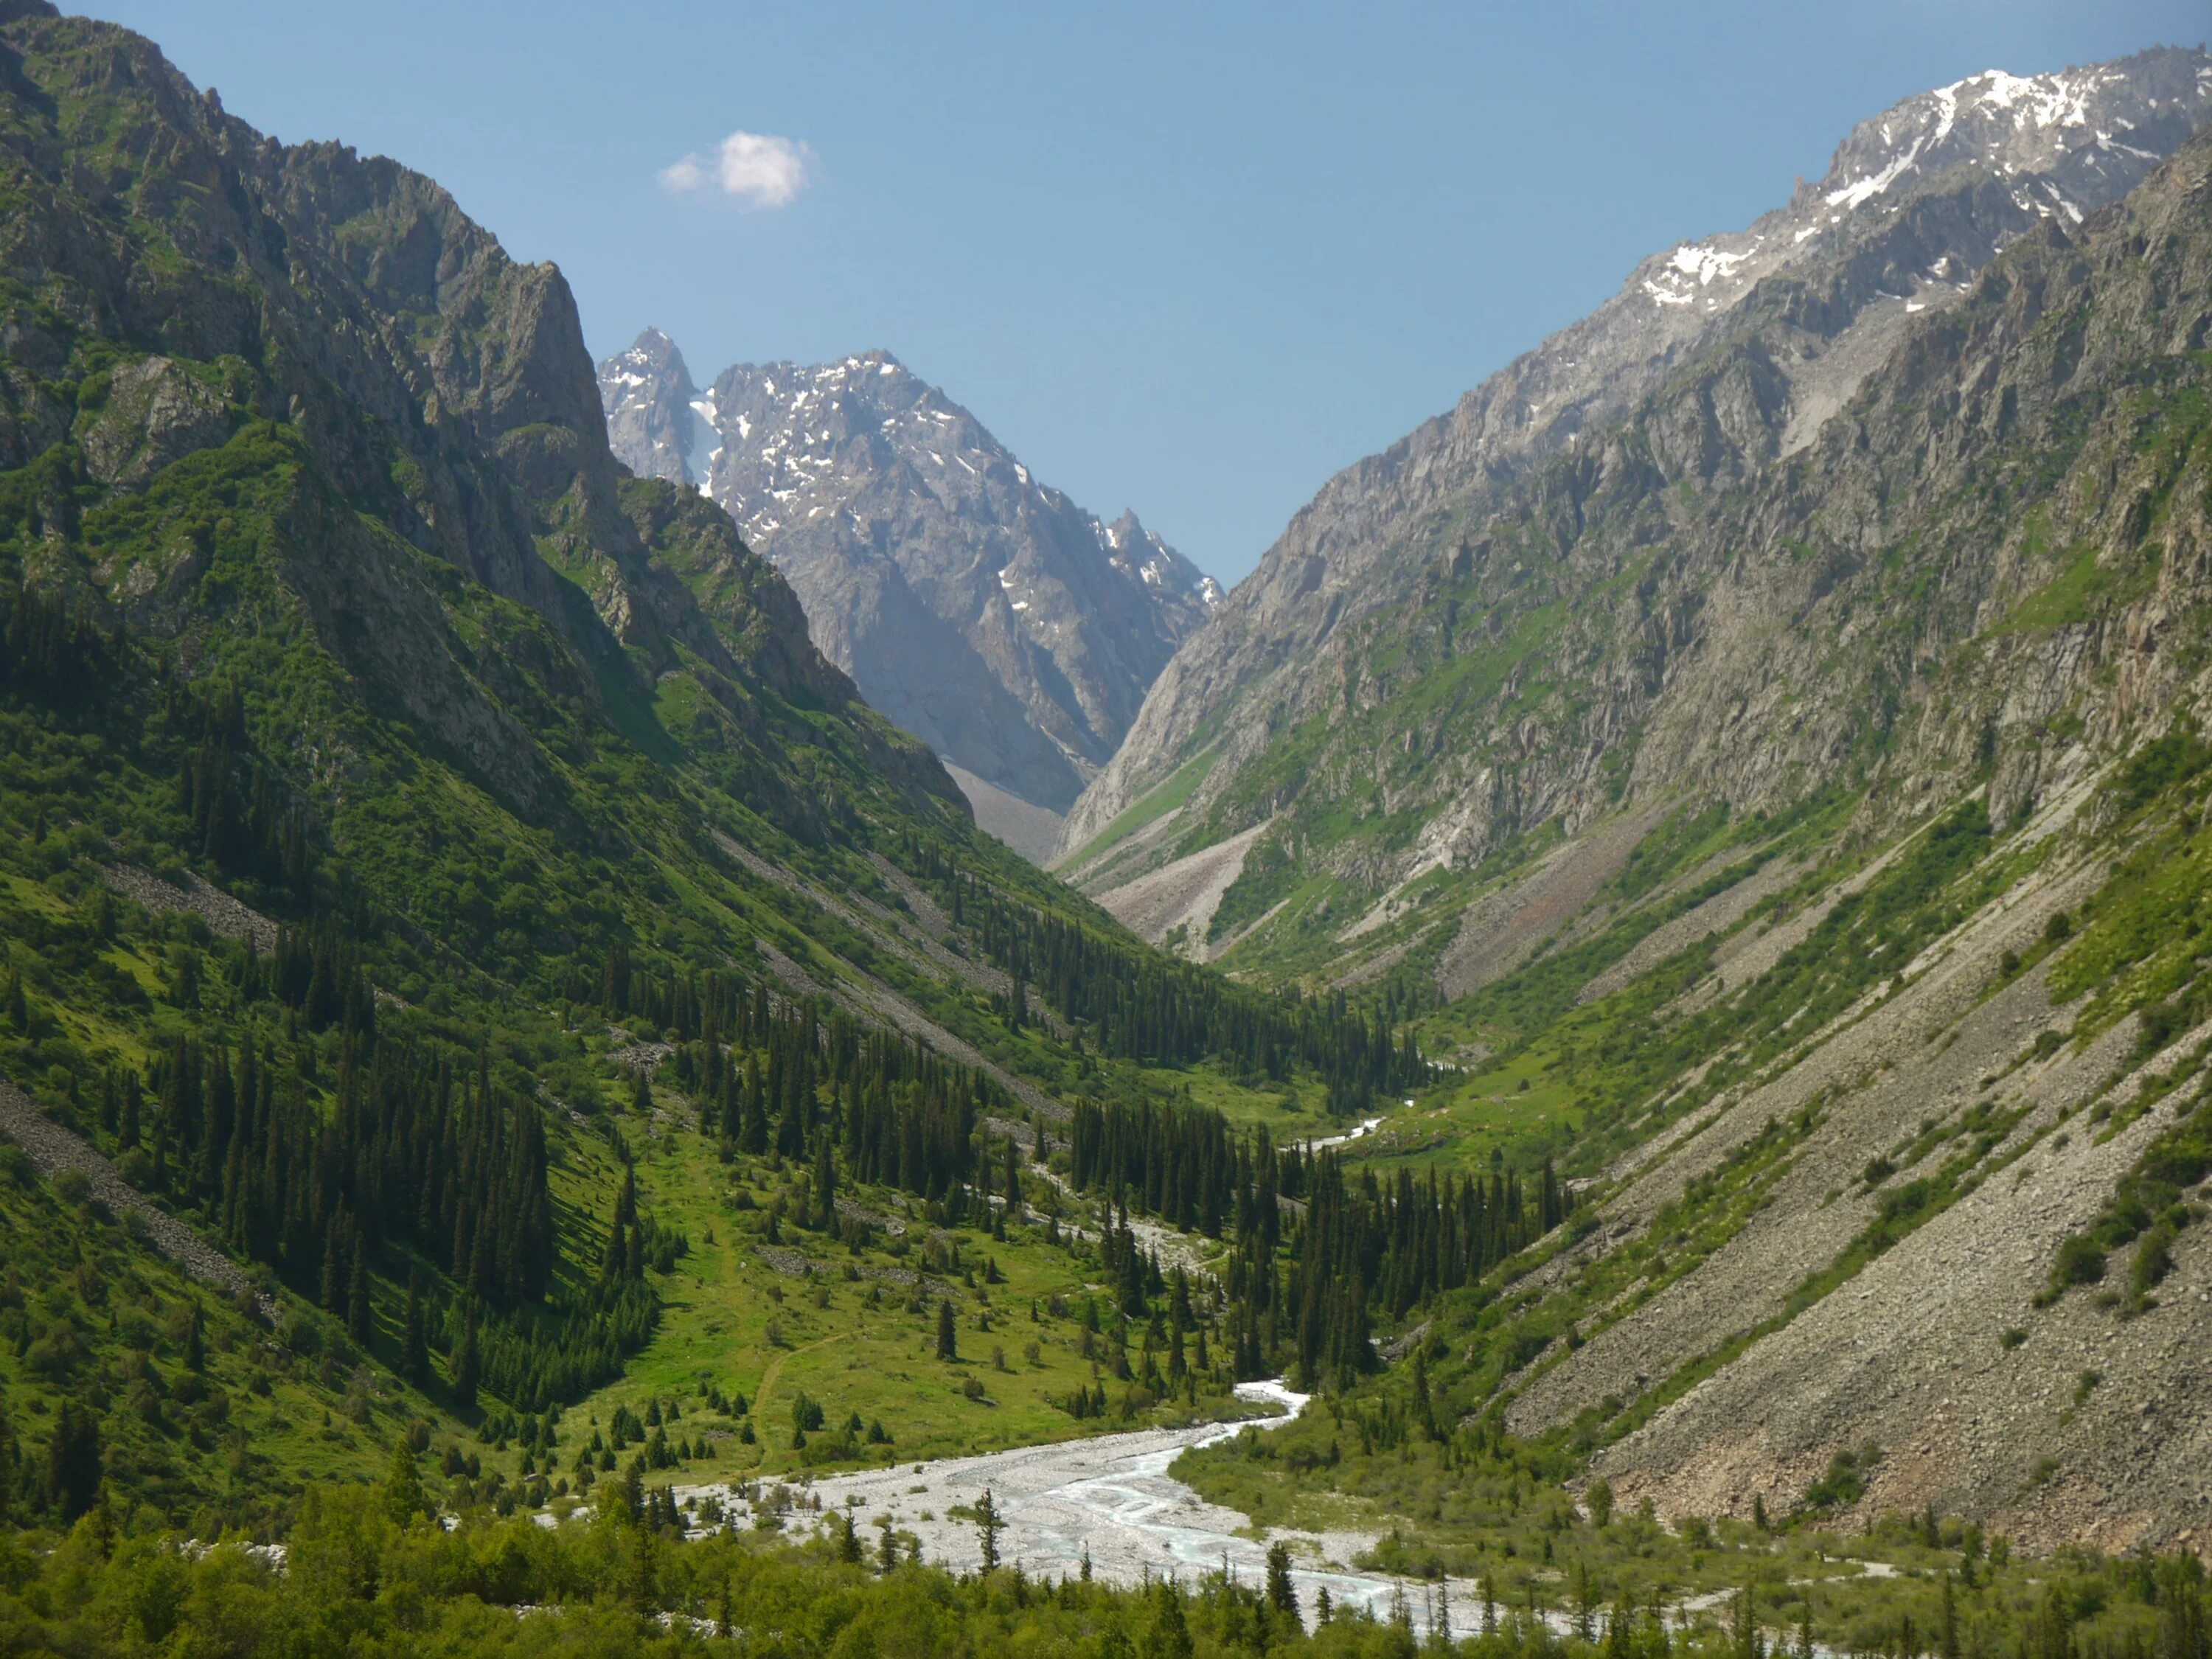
(754, 169)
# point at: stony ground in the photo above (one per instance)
(2064, 1422)
(1181, 894)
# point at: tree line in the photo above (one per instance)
(1156, 1008)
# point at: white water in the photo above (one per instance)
(1112, 1497)
(1367, 1126)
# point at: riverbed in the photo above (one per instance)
(1111, 1500)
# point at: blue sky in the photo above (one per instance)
(1188, 259)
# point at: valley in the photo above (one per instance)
(1611, 1056)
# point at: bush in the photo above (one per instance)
(2153, 1259)
(2081, 1262)
(1845, 1483)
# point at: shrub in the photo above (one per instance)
(2153, 1259)
(2081, 1262)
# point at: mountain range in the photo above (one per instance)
(1651, 961)
(976, 607)
(448, 900)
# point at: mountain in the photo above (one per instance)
(978, 609)
(1716, 360)
(463, 951)
(1802, 841)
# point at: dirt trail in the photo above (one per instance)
(774, 1373)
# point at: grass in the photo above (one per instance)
(1149, 807)
(1478, 1505)
(845, 1332)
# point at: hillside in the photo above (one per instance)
(447, 899)
(1876, 1056)
(1524, 616)
(513, 1077)
(977, 608)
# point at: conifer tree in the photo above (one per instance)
(988, 1528)
(465, 1363)
(357, 1314)
(948, 1346)
(403, 1486)
(414, 1340)
(1282, 1592)
(1168, 1638)
(73, 1461)
(825, 1187)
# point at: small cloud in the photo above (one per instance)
(753, 169)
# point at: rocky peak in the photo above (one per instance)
(976, 605)
(654, 419)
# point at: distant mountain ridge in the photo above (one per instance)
(979, 609)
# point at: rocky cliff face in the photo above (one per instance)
(979, 610)
(1719, 362)
(190, 286)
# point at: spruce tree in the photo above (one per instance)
(825, 1187)
(988, 1528)
(73, 1461)
(358, 1325)
(403, 1486)
(1282, 1592)
(464, 1362)
(1168, 1638)
(948, 1346)
(414, 1341)
(11, 1469)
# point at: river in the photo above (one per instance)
(1111, 1496)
